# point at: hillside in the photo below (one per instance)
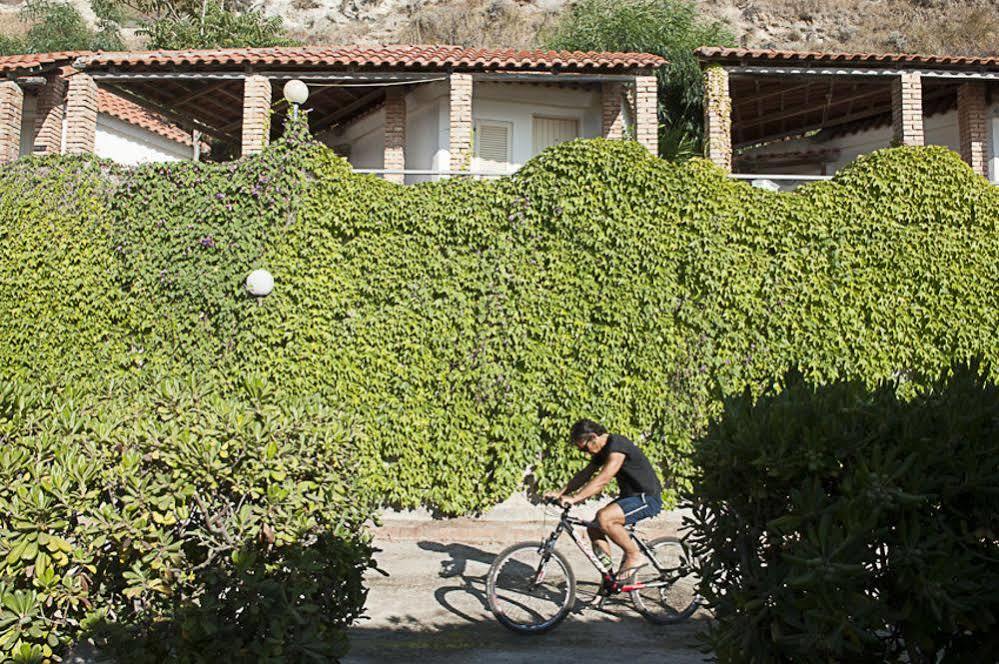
(919, 26)
(952, 26)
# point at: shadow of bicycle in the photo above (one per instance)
(470, 585)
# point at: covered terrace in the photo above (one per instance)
(234, 96)
(787, 117)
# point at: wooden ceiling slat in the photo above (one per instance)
(359, 105)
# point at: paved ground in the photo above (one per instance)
(432, 609)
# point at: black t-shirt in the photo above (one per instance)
(636, 475)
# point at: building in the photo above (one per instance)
(32, 106)
(408, 112)
(785, 116)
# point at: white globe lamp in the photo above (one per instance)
(296, 92)
(260, 283)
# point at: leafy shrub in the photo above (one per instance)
(670, 28)
(843, 523)
(177, 524)
(214, 26)
(460, 326)
(60, 284)
(56, 25)
(455, 327)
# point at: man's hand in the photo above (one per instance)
(559, 498)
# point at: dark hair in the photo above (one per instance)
(584, 428)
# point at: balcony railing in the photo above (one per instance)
(775, 182)
(432, 174)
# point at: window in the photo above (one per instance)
(493, 149)
(552, 131)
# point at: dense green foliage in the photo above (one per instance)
(56, 25)
(457, 328)
(61, 302)
(670, 28)
(841, 523)
(215, 26)
(182, 522)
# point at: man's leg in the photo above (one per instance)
(601, 545)
(611, 519)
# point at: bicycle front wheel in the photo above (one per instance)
(530, 590)
(674, 601)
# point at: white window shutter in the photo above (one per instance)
(552, 131)
(493, 145)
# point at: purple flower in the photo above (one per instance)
(208, 242)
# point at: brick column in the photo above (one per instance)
(395, 133)
(717, 118)
(647, 113)
(49, 114)
(460, 119)
(611, 111)
(907, 109)
(81, 115)
(971, 122)
(11, 107)
(256, 114)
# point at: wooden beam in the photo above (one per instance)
(209, 110)
(169, 113)
(835, 122)
(356, 105)
(199, 93)
(773, 117)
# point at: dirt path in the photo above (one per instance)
(432, 609)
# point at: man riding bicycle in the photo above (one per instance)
(614, 456)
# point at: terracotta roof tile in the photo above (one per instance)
(720, 54)
(126, 111)
(35, 61)
(399, 56)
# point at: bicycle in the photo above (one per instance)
(523, 586)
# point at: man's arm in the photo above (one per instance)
(578, 480)
(614, 462)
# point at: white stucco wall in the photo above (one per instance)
(130, 145)
(427, 126)
(993, 127)
(28, 124)
(366, 140)
(519, 104)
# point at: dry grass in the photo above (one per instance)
(966, 31)
(476, 23)
(927, 26)
(11, 24)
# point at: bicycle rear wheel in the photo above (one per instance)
(530, 590)
(672, 603)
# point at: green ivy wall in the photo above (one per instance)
(460, 327)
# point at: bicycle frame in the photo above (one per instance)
(566, 524)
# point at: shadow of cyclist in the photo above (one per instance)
(456, 567)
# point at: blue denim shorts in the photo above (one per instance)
(642, 506)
